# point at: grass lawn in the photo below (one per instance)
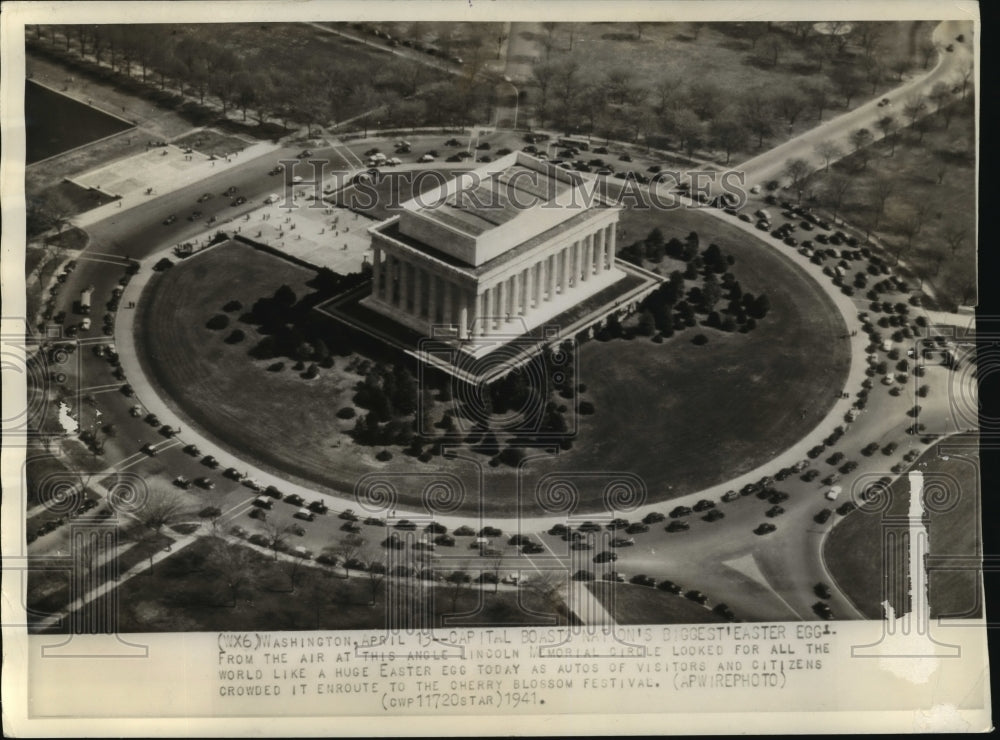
(190, 591)
(208, 141)
(715, 411)
(934, 186)
(854, 551)
(631, 604)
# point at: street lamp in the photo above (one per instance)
(517, 99)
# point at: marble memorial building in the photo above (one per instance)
(494, 253)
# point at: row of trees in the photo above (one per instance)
(293, 86)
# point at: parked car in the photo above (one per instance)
(670, 587)
(643, 580)
(764, 528)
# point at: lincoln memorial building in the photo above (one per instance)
(494, 253)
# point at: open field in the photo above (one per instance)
(855, 554)
(237, 587)
(931, 181)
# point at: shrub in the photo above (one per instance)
(163, 264)
(235, 336)
(586, 407)
(218, 322)
(699, 339)
(384, 456)
(276, 367)
(232, 307)
(347, 412)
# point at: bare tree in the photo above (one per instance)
(496, 565)
(928, 49)
(965, 79)
(771, 48)
(835, 190)
(954, 236)
(729, 133)
(860, 139)
(543, 75)
(797, 170)
(847, 83)
(160, 509)
(914, 107)
(235, 566)
(668, 94)
(818, 96)
(790, 104)
(276, 534)
(882, 190)
(887, 125)
(829, 151)
(900, 65)
(547, 586)
(941, 96)
(457, 581)
(347, 550)
(374, 560)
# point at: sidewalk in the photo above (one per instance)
(164, 174)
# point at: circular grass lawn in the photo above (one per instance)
(677, 416)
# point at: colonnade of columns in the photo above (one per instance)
(425, 294)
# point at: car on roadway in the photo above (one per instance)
(204, 197)
(678, 526)
(670, 587)
(822, 590)
(680, 511)
(238, 201)
(764, 528)
(181, 482)
(169, 219)
(775, 511)
(697, 597)
(276, 170)
(148, 449)
(713, 515)
(205, 483)
(606, 556)
(136, 410)
(833, 492)
(623, 542)
(823, 610)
